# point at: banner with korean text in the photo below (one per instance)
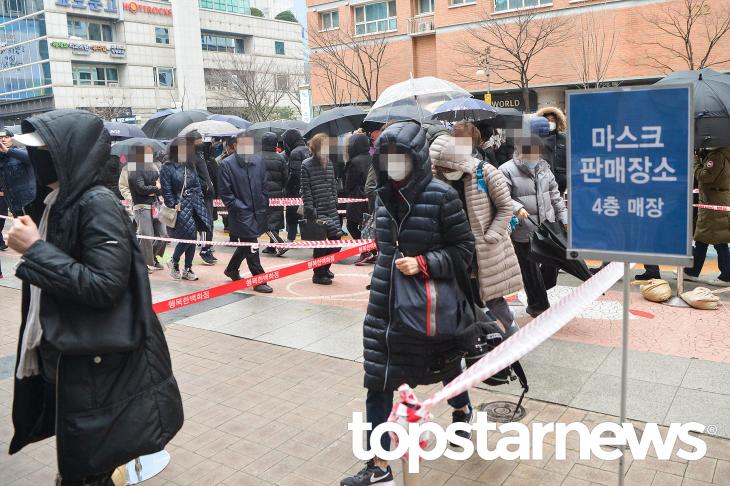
(630, 180)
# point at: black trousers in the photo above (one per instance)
(95, 480)
(537, 278)
(320, 252)
(253, 260)
(354, 229)
(3, 212)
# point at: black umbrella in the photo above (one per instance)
(258, 129)
(155, 119)
(120, 131)
(234, 120)
(378, 117)
(711, 104)
(294, 124)
(123, 147)
(548, 244)
(336, 122)
(173, 124)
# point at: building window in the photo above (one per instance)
(282, 82)
(235, 6)
(279, 48)
(425, 6)
(165, 77)
(505, 5)
(329, 20)
(375, 17)
(220, 43)
(468, 2)
(88, 75)
(93, 31)
(162, 35)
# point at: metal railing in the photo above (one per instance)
(421, 25)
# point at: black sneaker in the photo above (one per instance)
(208, 259)
(281, 251)
(322, 280)
(232, 274)
(263, 289)
(370, 474)
(330, 274)
(647, 276)
(269, 250)
(461, 416)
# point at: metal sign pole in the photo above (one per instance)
(624, 364)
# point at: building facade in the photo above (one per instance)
(127, 59)
(440, 38)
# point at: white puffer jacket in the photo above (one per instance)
(489, 214)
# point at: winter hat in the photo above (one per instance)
(4, 132)
(539, 127)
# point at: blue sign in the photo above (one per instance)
(630, 185)
(93, 5)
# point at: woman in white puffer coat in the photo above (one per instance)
(489, 209)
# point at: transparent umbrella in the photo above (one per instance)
(210, 128)
(427, 92)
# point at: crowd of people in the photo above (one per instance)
(451, 210)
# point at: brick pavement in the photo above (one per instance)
(261, 414)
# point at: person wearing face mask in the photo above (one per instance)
(93, 366)
(12, 162)
(144, 187)
(555, 147)
(319, 199)
(488, 204)
(423, 219)
(296, 151)
(359, 162)
(535, 199)
(181, 189)
(243, 189)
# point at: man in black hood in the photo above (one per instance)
(92, 366)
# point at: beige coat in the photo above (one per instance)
(489, 214)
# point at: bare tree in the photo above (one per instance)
(509, 47)
(259, 85)
(350, 64)
(337, 91)
(694, 30)
(109, 108)
(595, 48)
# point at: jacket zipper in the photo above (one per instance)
(537, 198)
(390, 288)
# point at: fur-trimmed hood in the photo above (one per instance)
(552, 110)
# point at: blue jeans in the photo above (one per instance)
(700, 253)
(379, 404)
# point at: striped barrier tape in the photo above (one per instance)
(712, 207)
(526, 339)
(300, 244)
(245, 283)
(283, 201)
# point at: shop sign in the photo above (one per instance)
(134, 7)
(92, 5)
(81, 49)
(513, 99)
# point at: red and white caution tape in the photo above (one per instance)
(211, 293)
(713, 207)
(300, 244)
(530, 336)
(283, 201)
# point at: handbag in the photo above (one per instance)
(429, 307)
(168, 216)
(654, 290)
(313, 229)
(703, 298)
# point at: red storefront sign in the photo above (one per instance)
(135, 7)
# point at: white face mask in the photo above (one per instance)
(454, 176)
(531, 164)
(398, 166)
(552, 126)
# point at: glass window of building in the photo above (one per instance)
(24, 68)
(279, 48)
(220, 43)
(89, 74)
(282, 82)
(425, 6)
(329, 20)
(165, 77)
(375, 17)
(162, 35)
(235, 6)
(87, 30)
(504, 5)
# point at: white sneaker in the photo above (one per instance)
(174, 271)
(716, 282)
(688, 278)
(189, 275)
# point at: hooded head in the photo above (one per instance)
(292, 138)
(551, 112)
(401, 149)
(269, 141)
(453, 154)
(75, 151)
(358, 144)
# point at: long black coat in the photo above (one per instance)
(319, 194)
(276, 176)
(110, 407)
(356, 174)
(554, 152)
(194, 213)
(143, 186)
(426, 218)
(242, 186)
(296, 152)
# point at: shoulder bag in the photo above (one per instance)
(168, 216)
